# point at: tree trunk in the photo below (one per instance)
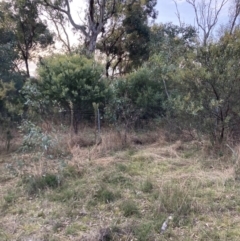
(27, 66)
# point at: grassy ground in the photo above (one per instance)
(108, 192)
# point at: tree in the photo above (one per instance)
(72, 81)
(135, 97)
(207, 88)
(97, 15)
(11, 77)
(22, 17)
(60, 23)
(207, 13)
(172, 40)
(234, 14)
(8, 55)
(169, 43)
(126, 40)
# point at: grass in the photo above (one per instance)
(122, 194)
(129, 208)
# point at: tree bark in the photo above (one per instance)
(97, 16)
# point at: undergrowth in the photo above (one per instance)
(122, 195)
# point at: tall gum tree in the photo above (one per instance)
(206, 14)
(22, 17)
(125, 41)
(98, 12)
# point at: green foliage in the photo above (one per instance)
(178, 201)
(11, 80)
(138, 96)
(144, 232)
(126, 41)
(106, 196)
(129, 208)
(11, 106)
(36, 184)
(207, 88)
(169, 44)
(147, 186)
(65, 78)
(171, 40)
(10, 197)
(38, 106)
(9, 55)
(21, 33)
(33, 138)
(29, 31)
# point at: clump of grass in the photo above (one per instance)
(144, 231)
(73, 172)
(35, 184)
(74, 229)
(121, 167)
(177, 200)
(105, 195)
(129, 208)
(116, 178)
(147, 186)
(10, 197)
(66, 194)
(111, 141)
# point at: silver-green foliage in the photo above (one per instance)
(34, 139)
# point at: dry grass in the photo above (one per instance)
(111, 191)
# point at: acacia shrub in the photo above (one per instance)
(74, 82)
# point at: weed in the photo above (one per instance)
(34, 138)
(129, 208)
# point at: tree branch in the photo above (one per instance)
(82, 28)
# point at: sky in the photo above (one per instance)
(167, 12)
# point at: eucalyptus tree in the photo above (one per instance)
(98, 12)
(125, 41)
(207, 88)
(104, 20)
(30, 32)
(206, 14)
(169, 44)
(234, 14)
(11, 77)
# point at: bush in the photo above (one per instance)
(137, 96)
(74, 82)
(34, 139)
